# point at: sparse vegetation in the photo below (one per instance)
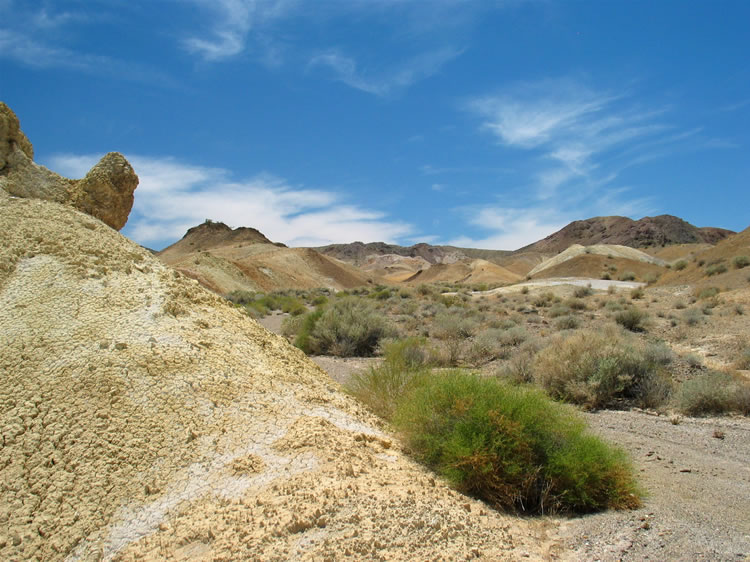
(350, 327)
(680, 265)
(714, 392)
(627, 276)
(740, 262)
(633, 319)
(594, 369)
(716, 269)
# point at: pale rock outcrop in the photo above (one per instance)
(105, 193)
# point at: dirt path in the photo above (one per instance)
(697, 476)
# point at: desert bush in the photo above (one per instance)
(305, 329)
(692, 316)
(707, 293)
(558, 310)
(487, 346)
(680, 265)
(651, 278)
(740, 262)
(713, 392)
(241, 297)
(575, 304)
(636, 293)
(512, 446)
(679, 305)
(581, 292)
(518, 369)
(404, 362)
(350, 327)
(743, 361)
(627, 276)
(605, 275)
(319, 300)
(567, 323)
(292, 325)
(633, 319)
(613, 306)
(513, 337)
(593, 369)
(715, 269)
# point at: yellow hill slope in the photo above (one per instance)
(145, 418)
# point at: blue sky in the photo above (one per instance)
(487, 124)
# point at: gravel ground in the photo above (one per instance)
(697, 477)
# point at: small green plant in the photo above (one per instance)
(633, 319)
(651, 278)
(627, 276)
(404, 363)
(636, 293)
(305, 329)
(680, 265)
(692, 316)
(708, 293)
(512, 446)
(743, 362)
(716, 269)
(740, 262)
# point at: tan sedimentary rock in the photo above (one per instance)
(105, 193)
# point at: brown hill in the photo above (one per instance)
(224, 260)
(719, 266)
(662, 230)
(466, 271)
(358, 253)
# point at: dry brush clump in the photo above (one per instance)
(597, 369)
(714, 392)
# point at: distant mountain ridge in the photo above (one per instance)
(662, 230)
(358, 253)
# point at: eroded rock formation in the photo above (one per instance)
(105, 193)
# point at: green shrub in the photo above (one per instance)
(716, 269)
(714, 393)
(512, 446)
(404, 363)
(241, 297)
(305, 329)
(350, 327)
(740, 262)
(651, 278)
(594, 369)
(575, 304)
(627, 276)
(633, 319)
(605, 275)
(513, 336)
(680, 265)
(487, 346)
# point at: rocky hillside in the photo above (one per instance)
(358, 253)
(225, 259)
(663, 230)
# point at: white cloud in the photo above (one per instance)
(173, 196)
(345, 69)
(233, 21)
(581, 139)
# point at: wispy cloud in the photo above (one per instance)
(383, 83)
(576, 142)
(30, 41)
(297, 216)
(232, 21)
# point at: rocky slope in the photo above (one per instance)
(224, 260)
(662, 230)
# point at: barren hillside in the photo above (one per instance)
(225, 260)
(663, 230)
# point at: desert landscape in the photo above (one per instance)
(232, 398)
